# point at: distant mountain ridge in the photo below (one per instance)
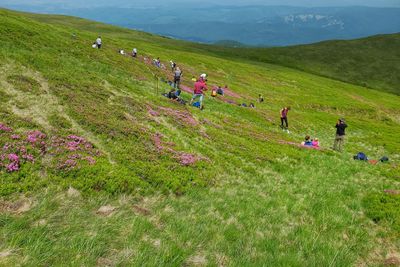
(250, 25)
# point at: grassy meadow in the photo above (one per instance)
(111, 173)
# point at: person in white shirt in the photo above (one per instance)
(98, 42)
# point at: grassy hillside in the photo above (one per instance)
(99, 169)
(371, 62)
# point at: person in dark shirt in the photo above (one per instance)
(284, 113)
(340, 134)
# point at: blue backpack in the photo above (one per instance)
(196, 104)
(360, 156)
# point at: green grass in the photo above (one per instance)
(249, 200)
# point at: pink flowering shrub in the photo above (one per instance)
(187, 159)
(15, 137)
(67, 152)
(183, 116)
(5, 128)
(74, 150)
(184, 158)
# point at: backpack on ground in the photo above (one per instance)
(360, 156)
(196, 104)
(384, 159)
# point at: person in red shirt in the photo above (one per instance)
(199, 87)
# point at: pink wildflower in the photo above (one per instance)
(68, 164)
(77, 139)
(13, 157)
(75, 156)
(5, 128)
(73, 146)
(35, 135)
(13, 166)
(15, 136)
(28, 157)
(91, 160)
(157, 141)
(7, 146)
(187, 159)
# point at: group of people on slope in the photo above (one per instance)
(98, 43)
(339, 137)
(218, 91)
(200, 87)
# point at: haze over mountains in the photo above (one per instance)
(234, 24)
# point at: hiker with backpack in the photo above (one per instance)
(284, 113)
(199, 87)
(98, 42)
(177, 77)
(340, 134)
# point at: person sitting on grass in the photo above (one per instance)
(172, 94)
(315, 143)
(220, 91)
(157, 62)
(307, 141)
(214, 92)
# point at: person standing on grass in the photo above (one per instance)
(260, 98)
(199, 87)
(98, 42)
(173, 65)
(340, 133)
(177, 77)
(284, 113)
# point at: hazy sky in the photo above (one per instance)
(132, 3)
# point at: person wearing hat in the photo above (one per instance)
(199, 87)
(340, 134)
(203, 77)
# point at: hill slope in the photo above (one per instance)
(99, 169)
(371, 62)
